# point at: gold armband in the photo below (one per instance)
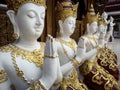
(50, 56)
(3, 76)
(75, 62)
(37, 86)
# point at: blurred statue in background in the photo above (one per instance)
(106, 57)
(111, 28)
(104, 16)
(94, 75)
(25, 65)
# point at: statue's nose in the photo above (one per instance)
(38, 21)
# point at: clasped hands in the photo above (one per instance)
(51, 62)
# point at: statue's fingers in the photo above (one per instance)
(47, 49)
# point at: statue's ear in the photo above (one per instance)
(60, 25)
(11, 15)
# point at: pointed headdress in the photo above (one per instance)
(15, 4)
(65, 9)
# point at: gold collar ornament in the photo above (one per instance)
(35, 56)
(15, 4)
(3, 76)
(102, 22)
(70, 44)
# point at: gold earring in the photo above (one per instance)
(15, 36)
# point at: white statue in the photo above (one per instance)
(23, 63)
(110, 58)
(102, 31)
(111, 27)
(104, 16)
(95, 76)
(68, 53)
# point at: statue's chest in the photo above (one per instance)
(22, 70)
(29, 70)
(66, 53)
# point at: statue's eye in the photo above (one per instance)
(31, 14)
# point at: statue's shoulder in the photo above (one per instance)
(5, 53)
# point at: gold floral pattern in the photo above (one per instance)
(3, 76)
(35, 56)
(72, 82)
(100, 76)
(108, 58)
(15, 4)
(71, 44)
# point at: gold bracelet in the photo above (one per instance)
(98, 48)
(50, 56)
(37, 85)
(75, 62)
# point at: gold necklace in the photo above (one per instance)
(3, 76)
(20, 73)
(71, 43)
(35, 56)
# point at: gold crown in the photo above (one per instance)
(15, 4)
(102, 22)
(66, 9)
(91, 16)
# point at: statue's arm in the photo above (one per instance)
(81, 54)
(79, 58)
(5, 83)
(66, 67)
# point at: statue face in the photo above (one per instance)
(104, 15)
(69, 26)
(93, 27)
(102, 30)
(30, 20)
